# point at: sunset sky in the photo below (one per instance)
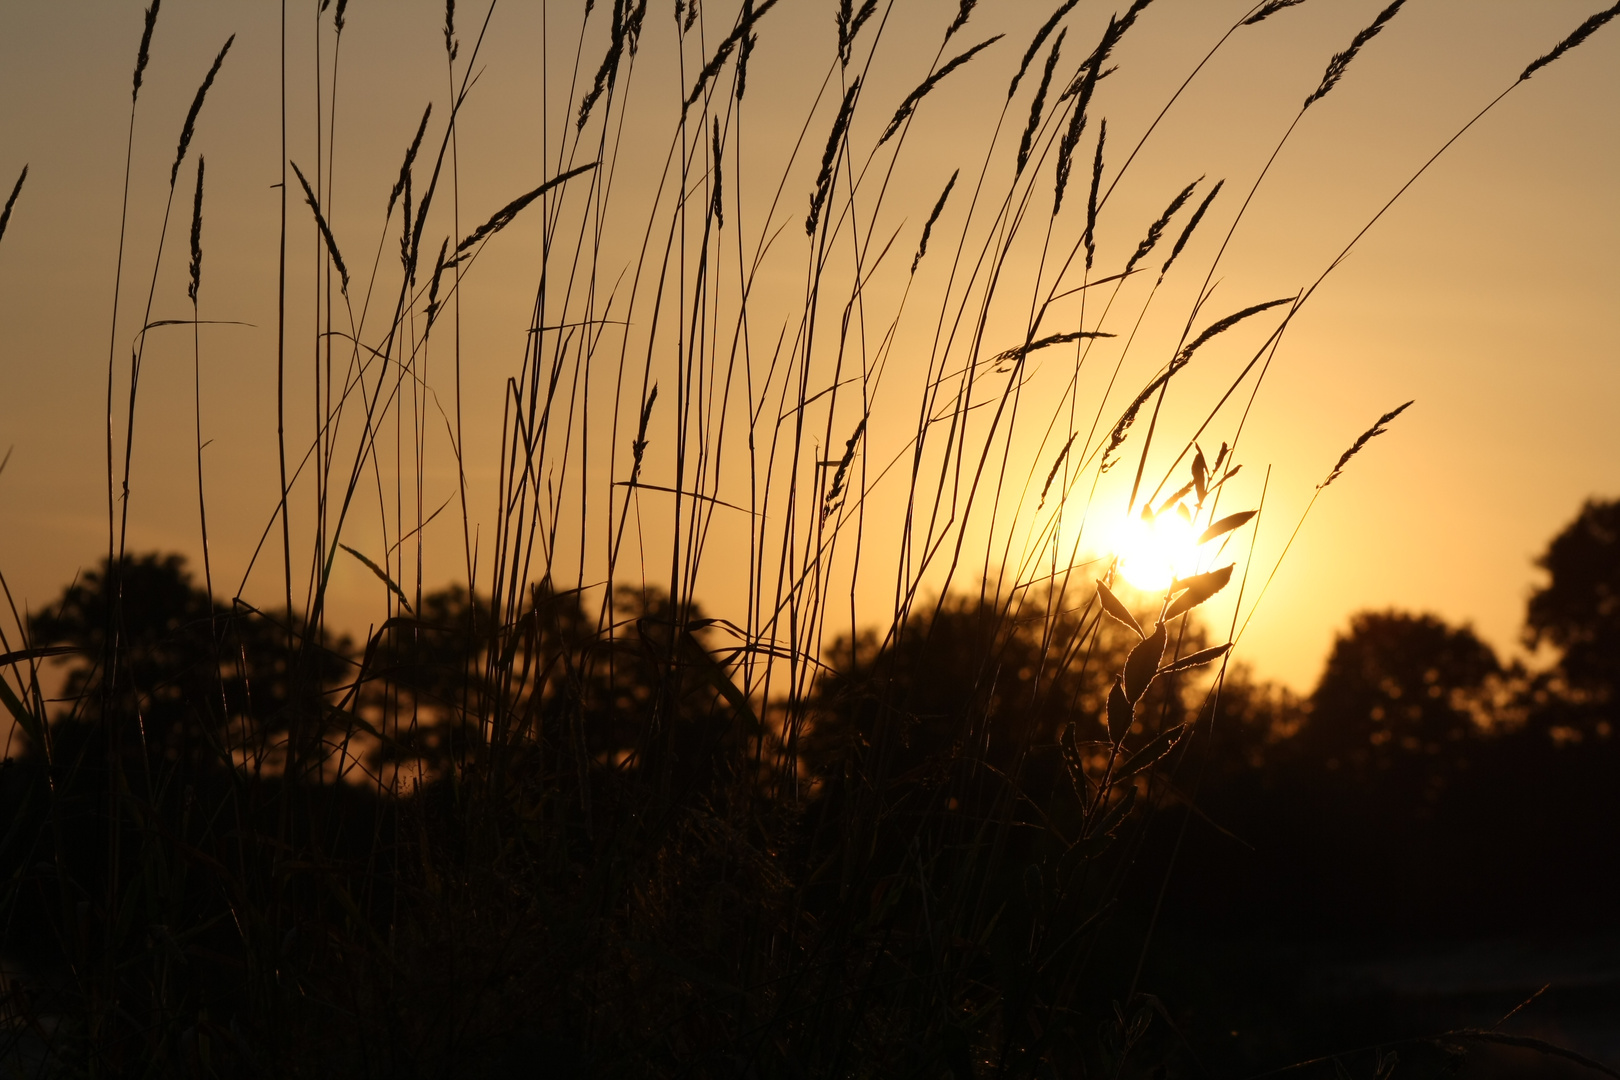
(1490, 293)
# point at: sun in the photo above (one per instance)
(1155, 550)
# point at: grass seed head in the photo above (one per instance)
(1038, 103)
(745, 24)
(1155, 230)
(16, 189)
(403, 183)
(503, 217)
(1091, 202)
(850, 22)
(1367, 436)
(744, 50)
(964, 9)
(909, 105)
(1040, 39)
(829, 156)
(145, 52)
(717, 202)
(928, 226)
(1336, 66)
(1268, 9)
(190, 126)
(608, 72)
(1592, 24)
(196, 235)
(325, 231)
(1221, 326)
(1192, 224)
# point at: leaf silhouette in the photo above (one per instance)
(25, 719)
(1180, 493)
(1115, 814)
(1200, 587)
(1197, 659)
(1120, 712)
(1071, 755)
(1143, 664)
(1148, 756)
(1119, 611)
(1226, 525)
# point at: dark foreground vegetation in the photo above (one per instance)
(609, 896)
(553, 821)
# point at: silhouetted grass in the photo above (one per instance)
(562, 811)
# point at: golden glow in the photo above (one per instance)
(1153, 551)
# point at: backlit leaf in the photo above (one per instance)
(1119, 611)
(1200, 587)
(1071, 752)
(19, 712)
(1114, 814)
(1120, 712)
(1180, 494)
(1226, 525)
(1143, 664)
(1197, 659)
(1156, 748)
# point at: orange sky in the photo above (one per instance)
(1490, 293)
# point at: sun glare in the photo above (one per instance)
(1154, 551)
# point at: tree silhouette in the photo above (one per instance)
(1578, 613)
(972, 679)
(443, 690)
(195, 683)
(1402, 695)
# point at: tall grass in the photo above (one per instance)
(784, 721)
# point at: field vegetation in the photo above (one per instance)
(923, 794)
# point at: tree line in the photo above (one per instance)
(226, 803)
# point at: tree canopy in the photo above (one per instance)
(1578, 611)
